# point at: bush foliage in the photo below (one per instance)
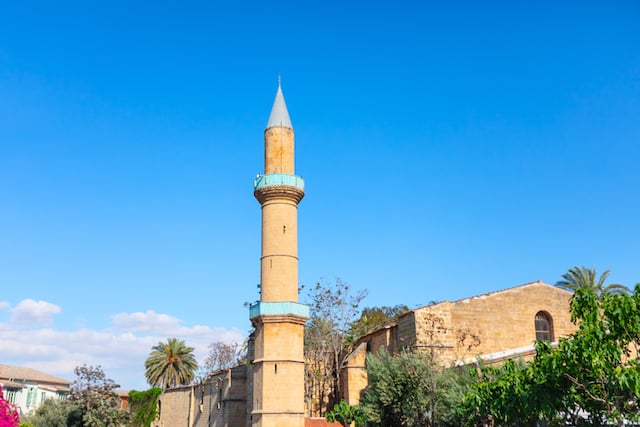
(143, 406)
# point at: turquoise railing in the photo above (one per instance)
(260, 308)
(278, 179)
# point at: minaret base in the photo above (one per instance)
(278, 371)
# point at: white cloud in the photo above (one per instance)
(4, 305)
(121, 350)
(31, 313)
(150, 322)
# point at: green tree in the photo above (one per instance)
(452, 384)
(346, 414)
(505, 396)
(334, 306)
(583, 277)
(143, 406)
(170, 364)
(373, 318)
(403, 389)
(591, 377)
(51, 413)
(95, 398)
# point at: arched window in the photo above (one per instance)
(544, 326)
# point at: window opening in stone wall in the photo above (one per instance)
(544, 327)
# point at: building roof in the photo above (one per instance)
(122, 393)
(279, 114)
(435, 305)
(20, 374)
(488, 294)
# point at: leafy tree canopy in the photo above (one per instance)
(346, 414)
(412, 389)
(95, 398)
(591, 377)
(583, 277)
(373, 318)
(170, 364)
(143, 406)
(51, 413)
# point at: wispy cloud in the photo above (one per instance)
(149, 322)
(120, 349)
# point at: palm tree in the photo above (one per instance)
(170, 364)
(583, 277)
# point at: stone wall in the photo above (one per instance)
(386, 338)
(495, 326)
(221, 401)
(502, 321)
(353, 377)
(434, 329)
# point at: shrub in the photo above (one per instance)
(9, 416)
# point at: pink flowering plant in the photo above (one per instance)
(8, 413)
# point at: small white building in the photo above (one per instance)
(27, 388)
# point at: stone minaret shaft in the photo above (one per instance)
(278, 319)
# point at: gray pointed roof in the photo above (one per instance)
(279, 114)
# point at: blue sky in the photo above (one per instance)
(448, 150)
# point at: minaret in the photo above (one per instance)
(278, 318)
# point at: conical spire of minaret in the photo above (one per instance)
(279, 114)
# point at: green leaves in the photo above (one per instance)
(583, 277)
(51, 413)
(591, 376)
(143, 406)
(374, 318)
(346, 414)
(93, 394)
(170, 364)
(412, 389)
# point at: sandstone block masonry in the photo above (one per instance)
(220, 401)
(494, 326)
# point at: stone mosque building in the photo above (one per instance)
(269, 391)
(495, 326)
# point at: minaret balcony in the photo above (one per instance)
(278, 186)
(278, 309)
(274, 179)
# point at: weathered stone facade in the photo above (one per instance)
(494, 326)
(221, 401)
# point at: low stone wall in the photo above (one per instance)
(220, 401)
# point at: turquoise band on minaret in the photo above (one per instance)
(278, 179)
(278, 308)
